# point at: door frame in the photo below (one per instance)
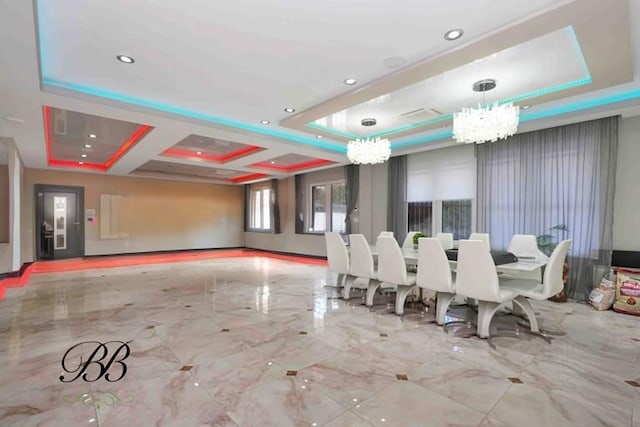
(39, 211)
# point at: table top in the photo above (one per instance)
(411, 257)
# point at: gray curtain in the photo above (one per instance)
(535, 181)
(397, 208)
(274, 207)
(352, 173)
(299, 189)
(247, 206)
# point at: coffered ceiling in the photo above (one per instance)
(244, 90)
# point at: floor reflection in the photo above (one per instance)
(244, 326)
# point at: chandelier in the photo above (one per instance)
(368, 151)
(486, 123)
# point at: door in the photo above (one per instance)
(59, 221)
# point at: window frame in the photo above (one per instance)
(252, 202)
(437, 214)
(328, 204)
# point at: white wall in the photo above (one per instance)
(626, 214)
(5, 186)
(16, 175)
(4, 202)
(372, 200)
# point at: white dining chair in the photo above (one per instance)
(362, 266)
(337, 256)
(552, 281)
(408, 241)
(446, 240)
(392, 269)
(481, 236)
(526, 246)
(434, 273)
(477, 278)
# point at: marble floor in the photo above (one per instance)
(256, 342)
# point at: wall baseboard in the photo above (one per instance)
(16, 273)
(288, 253)
(15, 279)
(167, 251)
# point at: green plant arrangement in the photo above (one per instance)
(547, 242)
(417, 236)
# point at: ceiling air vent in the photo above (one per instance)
(420, 115)
(60, 122)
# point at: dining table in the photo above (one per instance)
(506, 262)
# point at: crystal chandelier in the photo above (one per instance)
(486, 123)
(368, 151)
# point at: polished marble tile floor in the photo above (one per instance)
(256, 342)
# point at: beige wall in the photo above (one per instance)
(4, 204)
(626, 213)
(5, 258)
(156, 215)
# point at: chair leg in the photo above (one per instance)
(486, 310)
(371, 291)
(401, 296)
(443, 300)
(348, 283)
(525, 305)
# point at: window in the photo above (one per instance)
(321, 201)
(446, 216)
(456, 218)
(260, 208)
(421, 217)
(328, 207)
(441, 191)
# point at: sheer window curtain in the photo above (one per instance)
(274, 205)
(537, 180)
(300, 194)
(352, 173)
(397, 208)
(247, 206)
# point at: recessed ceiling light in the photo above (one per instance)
(81, 163)
(319, 136)
(93, 135)
(265, 122)
(290, 110)
(87, 145)
(350, 81)
(126, 59)
(273, 162)
(453, 34)
(198, 152)
(83, 155)
(526, 107)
